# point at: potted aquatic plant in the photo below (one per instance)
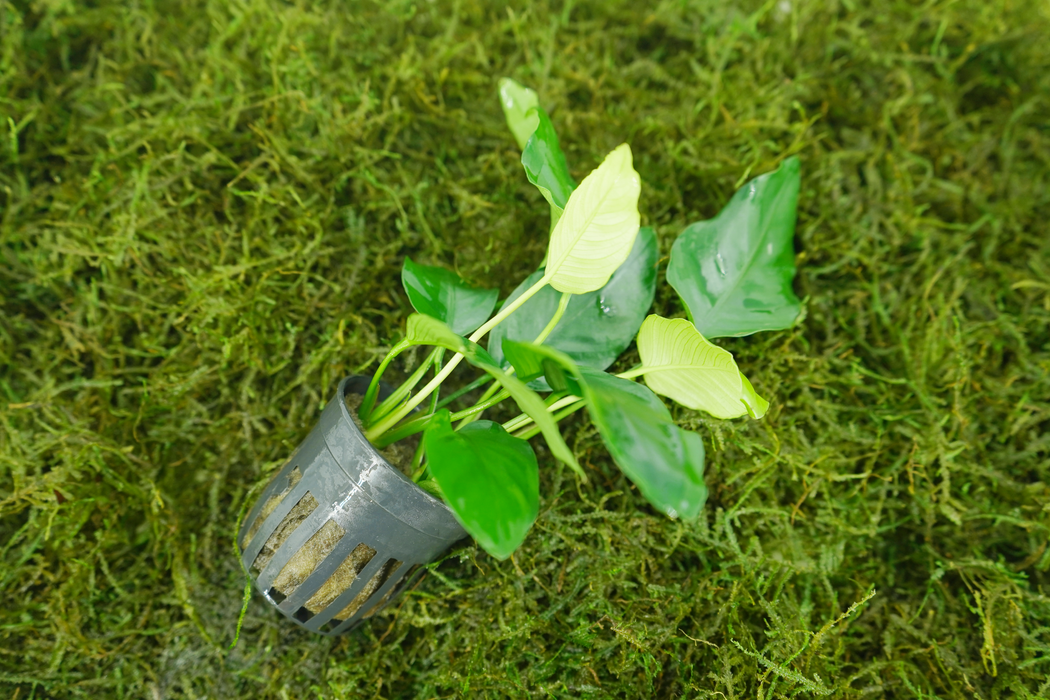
(391, 477)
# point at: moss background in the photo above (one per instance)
(205, 206)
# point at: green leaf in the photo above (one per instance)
(488, 478)
(422, 329)
(597, 230)
(734, 272)
(517, 100)
(598, 326)
(529, 402)
(756, 405)
(531, 361)
(682, 365)
(546, 168)
(443, 295)
(664, 461)
(425, 330)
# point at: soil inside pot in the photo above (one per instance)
(399, 454)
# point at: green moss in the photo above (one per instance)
(203, 212)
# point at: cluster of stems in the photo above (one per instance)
(392, 419)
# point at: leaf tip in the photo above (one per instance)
(756, 405)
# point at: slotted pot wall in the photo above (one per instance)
(338, 514)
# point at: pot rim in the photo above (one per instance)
(340, 396)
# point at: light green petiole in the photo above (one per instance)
(523, 420)
(527, 433)
(365, 409)
(393, 419)
(563, 304)
(401, 393)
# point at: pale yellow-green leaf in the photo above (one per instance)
(596, 231)
(756, 405)
(517, 100)
(682, 365)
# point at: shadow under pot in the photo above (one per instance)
(340, 532)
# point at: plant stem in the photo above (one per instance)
(476, 384)
(491, 391)
(417, 424)
(563, 303)
(393, 420)
(417, 458)
(535, 430)
(391, 402)
(403, 431)
(484, 397)
(637, 372)
(365, 409)
(479, 407)
(508, 310)
(523, 419)
(438, 358)
(417, 462)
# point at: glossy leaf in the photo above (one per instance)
(517, 100)
(443, 295)
(682, 365)
(734, 272)
(530, 403)
(488, 478)
(425, 330)
(597, 230)
(546, 168)
(598, 326)
(664, 461)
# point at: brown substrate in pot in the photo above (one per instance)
(399, 454)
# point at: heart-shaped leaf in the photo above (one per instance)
(682, 365)
(517, 100)
(488, 478)
(425, 330)
(443, 295)
(596, 232)
(546, 168)
(598, 326)
(734, 272)
(664, 461)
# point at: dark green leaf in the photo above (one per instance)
(529, 402)
(664, 461)
(488, 478)
(597, 326)
(545, 165)
(443, 295)
(734, 272)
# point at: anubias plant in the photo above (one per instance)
(553, 337)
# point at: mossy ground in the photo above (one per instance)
(205, 206)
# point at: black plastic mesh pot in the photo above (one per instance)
(339, 532)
